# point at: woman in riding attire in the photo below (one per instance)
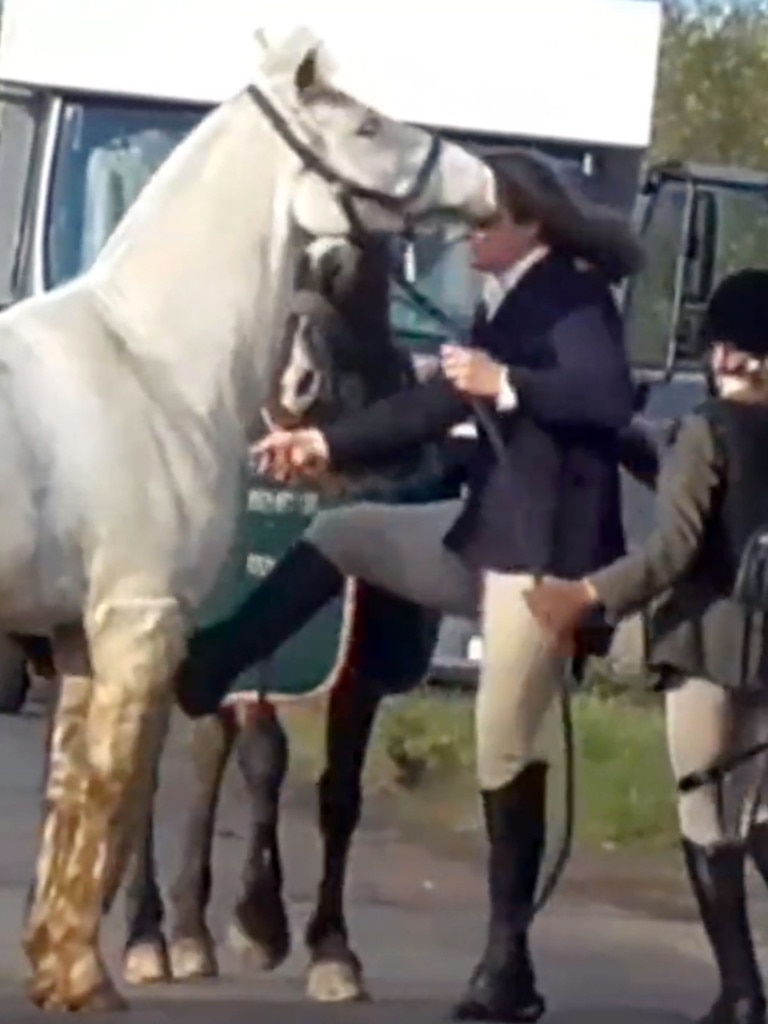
(548, 363)
(711, 651)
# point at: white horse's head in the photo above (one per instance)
(201, 267)
(360, 168)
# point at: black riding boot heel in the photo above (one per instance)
(717, 879)
(503, 985)
(301, 583)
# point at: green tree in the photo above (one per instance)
(712, 92)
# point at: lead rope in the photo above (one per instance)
(484, 416)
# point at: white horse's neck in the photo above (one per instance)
(197, 274)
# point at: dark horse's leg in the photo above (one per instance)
(335, 972)
(260, 929)
(145, 958)
(375, 664)
(192, 950)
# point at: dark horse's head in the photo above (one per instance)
(337, 354)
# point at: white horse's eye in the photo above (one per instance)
(370, 127)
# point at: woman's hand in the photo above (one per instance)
(559, 606)
(471, 371)
(288, 455)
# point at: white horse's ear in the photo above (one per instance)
(316, 68)
(307, 72)
(325, 64)
(261, 40)
(283, 52)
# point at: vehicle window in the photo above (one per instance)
(742, 241)
(440, 269)
(743, 230)
(106, 154)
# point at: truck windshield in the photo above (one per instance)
(105, 155)
(106, 152)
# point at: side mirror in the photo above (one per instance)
(688, 341)
(695, 276)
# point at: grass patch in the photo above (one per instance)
(423, 756)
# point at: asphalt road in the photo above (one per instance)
(416, 917)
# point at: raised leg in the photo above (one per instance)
(145, 958)
(193, 950)
(99, 792)
(335, 971)
(260, 929)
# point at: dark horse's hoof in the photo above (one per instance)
(193, 956)
(500, 996)
(337, 979)
(260, 931)
(146, 963)
(744, 1010)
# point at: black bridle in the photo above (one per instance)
(348, 192)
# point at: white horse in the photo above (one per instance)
(126, 400)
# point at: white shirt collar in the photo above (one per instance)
(496, 287)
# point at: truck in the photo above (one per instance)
(94, 96)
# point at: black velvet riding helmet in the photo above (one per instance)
(737, 313)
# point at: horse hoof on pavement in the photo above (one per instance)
(259, 954)
(193, 958)
(337, 981)
(146, 964)
(102, 998)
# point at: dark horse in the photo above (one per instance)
(340, 318)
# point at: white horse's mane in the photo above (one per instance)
(135, 386)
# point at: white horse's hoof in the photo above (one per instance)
(336, 981)
(102, 998)
(146, 964)
(193, 958)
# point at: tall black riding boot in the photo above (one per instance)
(301, 583)
(717, 879)
(503, 986)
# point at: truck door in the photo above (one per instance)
(675, 279)
(699, 224)
(22, 122)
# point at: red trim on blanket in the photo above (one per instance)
(248, 707)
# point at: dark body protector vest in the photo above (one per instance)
(741, 432)
(738, 543)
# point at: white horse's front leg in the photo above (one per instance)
(46, 927)
(135, 648)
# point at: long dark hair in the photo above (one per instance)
(532, 191)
